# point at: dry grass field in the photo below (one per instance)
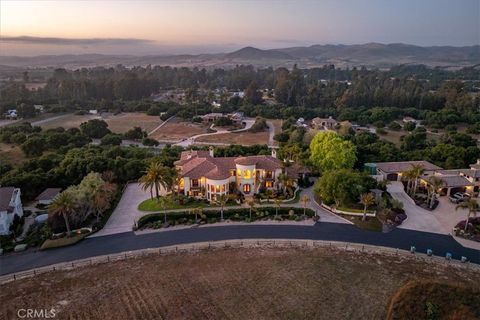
(243, 138)
(255, 283)
(125, 121)
(68, 121)
(176, 129)
(11, 153)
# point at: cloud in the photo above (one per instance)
(74, 41)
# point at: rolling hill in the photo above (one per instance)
(371, 55)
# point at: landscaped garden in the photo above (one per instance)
(199, 216)
(469, 228)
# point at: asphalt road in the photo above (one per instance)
(399, 238)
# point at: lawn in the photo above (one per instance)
(155, 205)
(68, 121)
(371, 224)
(256, 283)
(62, 242)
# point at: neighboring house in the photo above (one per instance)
(412, 120)
(455, 180)
(324, 123)
(203, 175)
(11, 114)
(216, 104)
(393, 171)
(236, 117)
(459, 180)
(38, 107)
(211, 117)
(48, 195)
(93, 111)
(10, 205)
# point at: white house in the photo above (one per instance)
(10, 205)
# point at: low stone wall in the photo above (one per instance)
(357, 214)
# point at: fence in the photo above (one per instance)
(250, 243)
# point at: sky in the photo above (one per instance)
(173, 27)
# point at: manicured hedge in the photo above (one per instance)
(212, 216)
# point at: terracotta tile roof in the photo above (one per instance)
(201, 164)
(5, 197)
(467, 172)
(393, 167)
(49, 194)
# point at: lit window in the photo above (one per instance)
(218, 188)
(246, 188)
(246, 174)
(239, 172)
(269, 184)
(223, 188)
(212, 188)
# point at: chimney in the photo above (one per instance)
(210, 150)
(274, 153)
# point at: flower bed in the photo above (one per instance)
(156, 220)
(473, 229)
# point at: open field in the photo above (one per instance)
(255, 283)
(177, 129)
(394, 136)
(244, 138)
(125, 121)
(11, 153)
(67, 121)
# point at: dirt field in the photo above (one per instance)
(123, 122)
(176, 129)
(244, 138)
(69, 121)
(11, 153)
(260, 283)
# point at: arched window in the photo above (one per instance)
(246, 174)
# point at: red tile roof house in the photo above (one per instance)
(203, 175)
(10, 205)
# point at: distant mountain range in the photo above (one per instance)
(369, 55)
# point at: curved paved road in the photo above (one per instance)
(399, 238)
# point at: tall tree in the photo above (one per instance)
(64, 204)
(473, 208)
(367, 199)
(329, 151)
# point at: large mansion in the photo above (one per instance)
(203, 175)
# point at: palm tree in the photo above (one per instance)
(278, 202)
(367, 199)
(408, 175)
(417, 172)
(147, 184)
(251, 204)
(305, 200)
(268, 194)
(435, 184)
(155, 176)
(473, 208)
(197, 211)
(285, 180)
(163, 205)
(101, 198)
(222, 200)
(64, 205)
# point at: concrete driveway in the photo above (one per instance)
(124, 215)
(417, 218)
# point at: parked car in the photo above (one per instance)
(459, 197)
